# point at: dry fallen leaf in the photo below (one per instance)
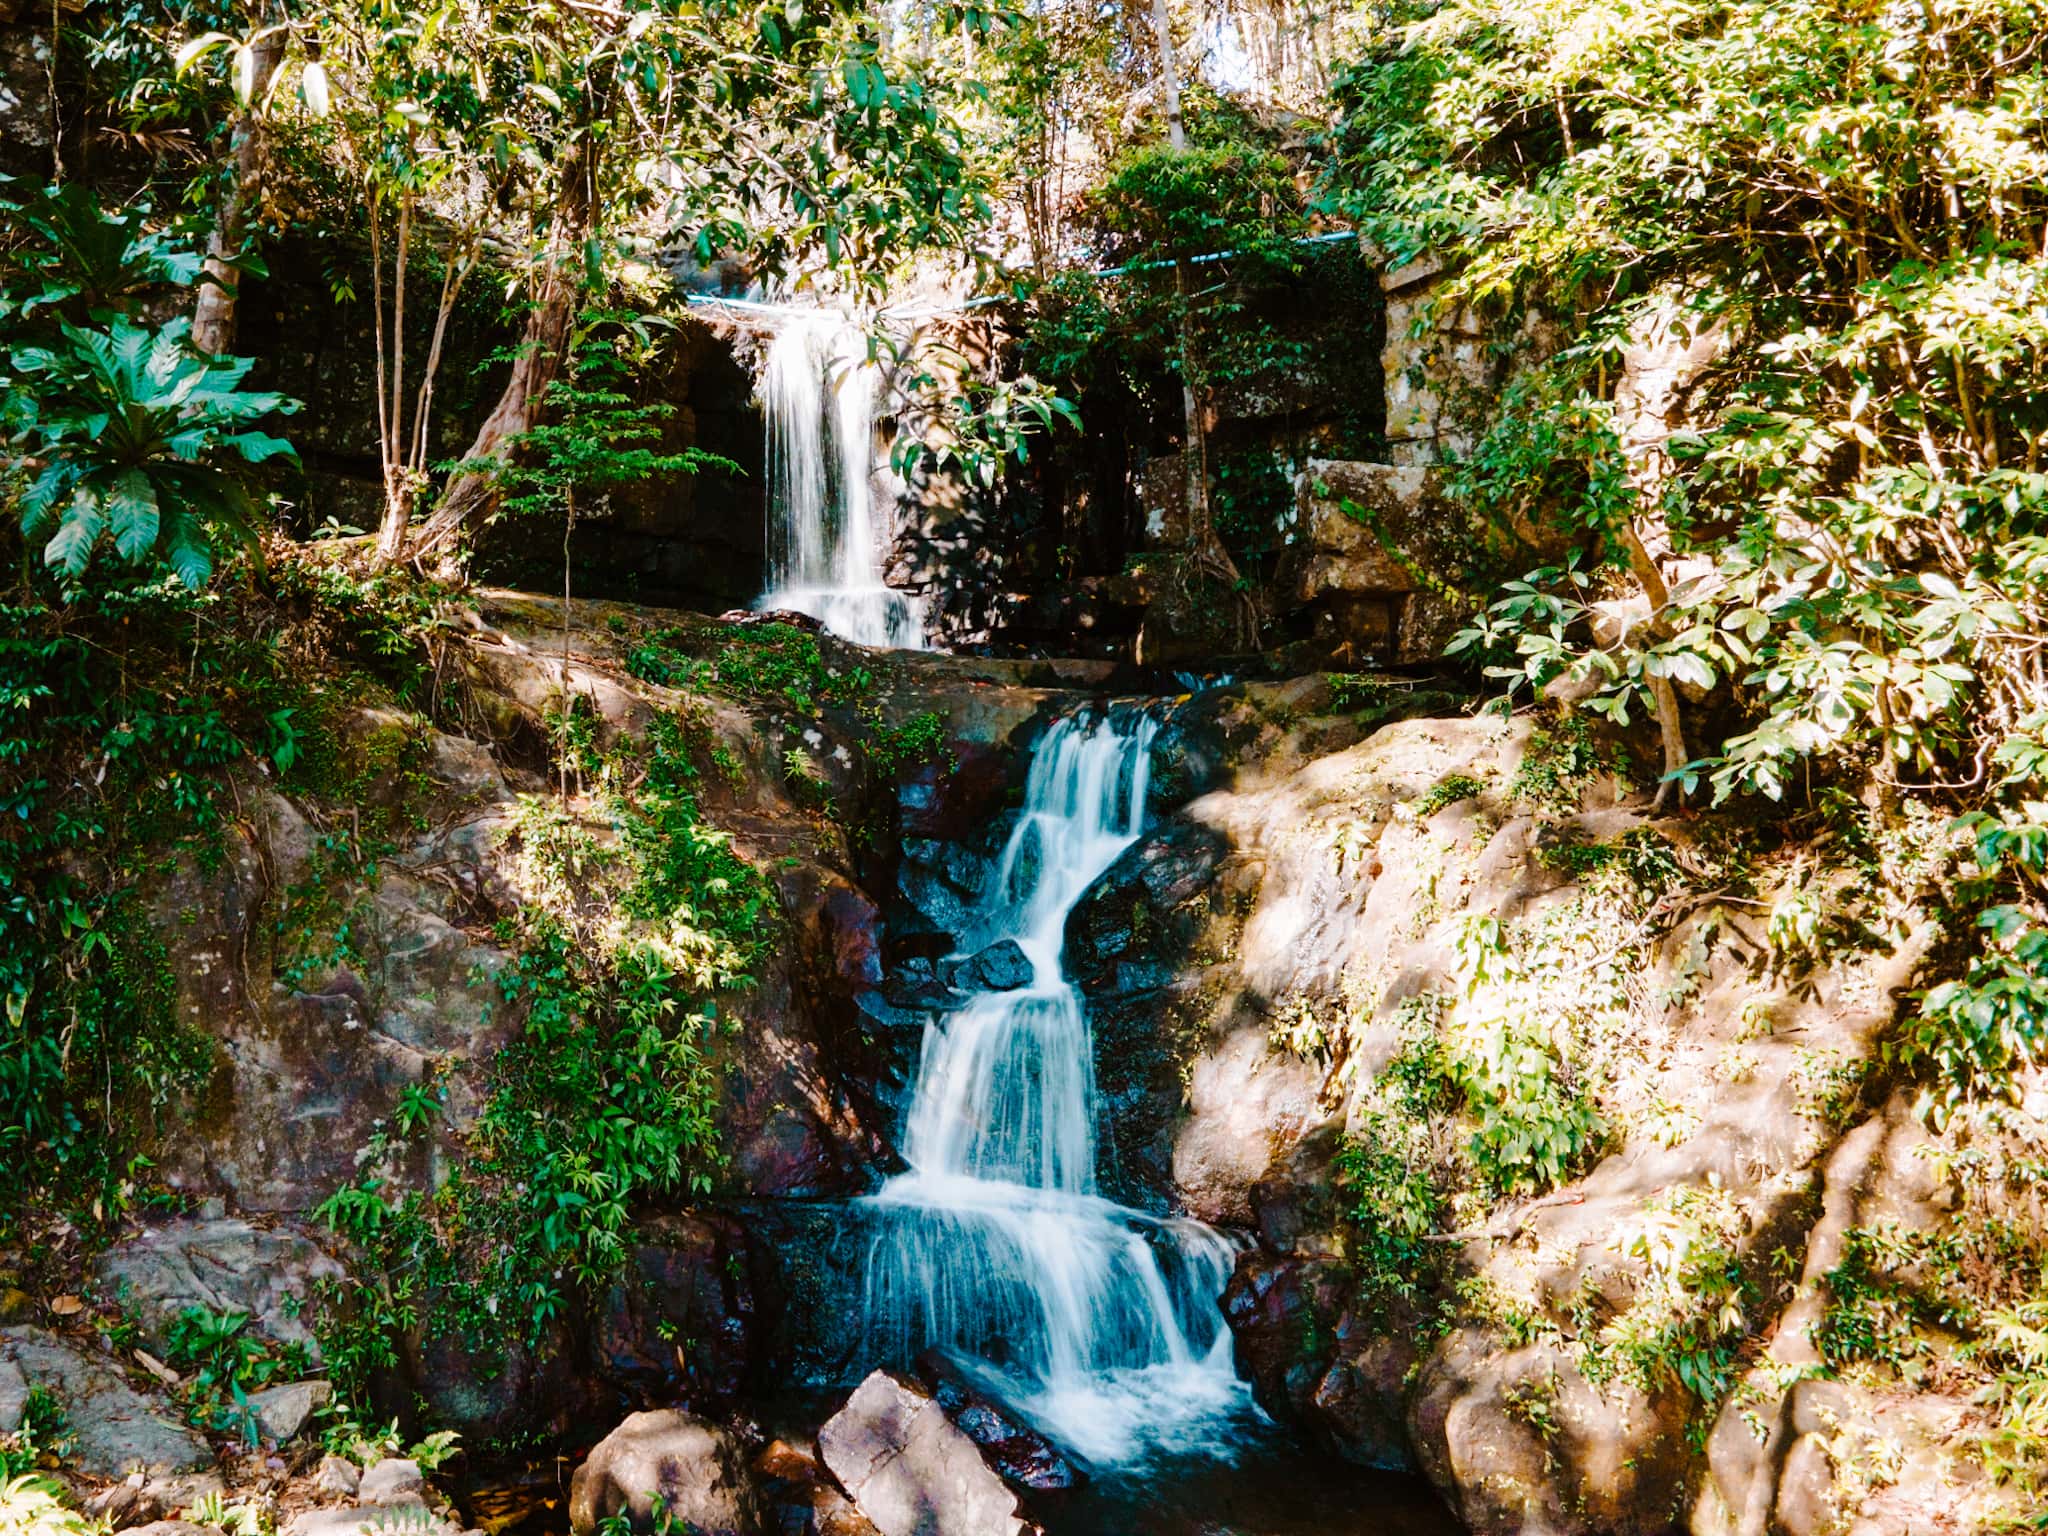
(157, 1368)
(66, 1306)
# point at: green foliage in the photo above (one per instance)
(135, 434)
(224, 1363)
(1533, 1124)
(116, 431)
(1559, 763)
(34, 1506)
(1842, 216)
(758, 661)
(626, 954)
(119, 712)
(918, 740)
(1391, 1203)
(1875, 1313)
(596, 437)
(1448, 790)
(1686, 1323)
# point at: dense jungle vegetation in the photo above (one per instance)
(1809, 579)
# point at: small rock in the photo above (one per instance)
(281, 1412)
(791, 1463)
(184, 1490)
(405, 1519)
(911, 1471)
(1002, 967)
(13, 1396)
(392, 1481)
(834, 1514)
(697, 1470)
(124, 1504)
(338, 1477)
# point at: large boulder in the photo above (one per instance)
(910, 1469)
(695, 1472)
(117, 1431)
(221, 1265)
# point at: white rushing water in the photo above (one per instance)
(1102, 1321)
(824, 556)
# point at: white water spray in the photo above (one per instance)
(1102, 1320)
(818, 395)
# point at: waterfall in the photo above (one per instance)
(818, 395)
(1101, 1321)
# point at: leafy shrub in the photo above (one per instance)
(138, 436)
(1448, 790)
(224, 1363)
(1391, 1203)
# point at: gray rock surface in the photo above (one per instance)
(223, 1265)
(392, 1481)
(910, 1469)
(338, 1476)
(697, 1471)
(281, 1412)
(118, 1431)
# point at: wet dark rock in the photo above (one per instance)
(910, 1469)
(1130, 947)
(680, 1323)
(696, 1470)
(946, 907)
(1002, 967)
(939, 800)
(1320, 1363)
(1022, 1456)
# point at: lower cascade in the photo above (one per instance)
(1098, 1321)
(818, 399)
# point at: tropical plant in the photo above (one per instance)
(126, 436)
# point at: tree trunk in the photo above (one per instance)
(213, 314)
(1196, 454)
(1207, 556)
(471, 490)
(1662, 694)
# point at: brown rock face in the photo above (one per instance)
(697, 1471)
(679, 1322)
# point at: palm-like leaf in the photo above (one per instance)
(143, 441)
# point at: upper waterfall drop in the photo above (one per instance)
(818, 388)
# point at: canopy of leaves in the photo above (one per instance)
(1846, 210)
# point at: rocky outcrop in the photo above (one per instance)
(910, 1470)
(1019, 1454)
(223, 1264)
(666, 1466)
(116, 1429)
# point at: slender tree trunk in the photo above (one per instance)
(470, 491)
(398, 483)
(213, 314)
(1662, 693)
(1206, 553)
(1196, 455)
